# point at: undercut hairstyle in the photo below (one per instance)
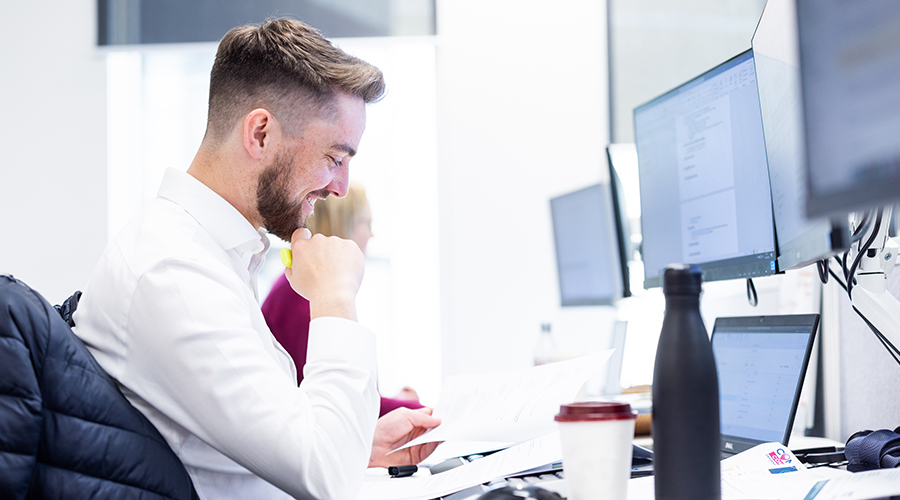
(288, 68)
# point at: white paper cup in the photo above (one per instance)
(596, 444)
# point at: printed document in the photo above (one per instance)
(512, 406)
(423, 486)
(768, 471)
(880, 483)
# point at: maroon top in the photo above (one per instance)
(287, 315)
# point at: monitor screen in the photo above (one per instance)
(800, 240)
(850, 67)
(704, 182)
(587, 247)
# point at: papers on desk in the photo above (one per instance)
(513, 409)
(768, 471)
(511, 406)
(881, 483)
(422, 486)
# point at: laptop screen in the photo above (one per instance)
(761, 363)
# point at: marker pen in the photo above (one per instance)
(287, 257)
(402, 470)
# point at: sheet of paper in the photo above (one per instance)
(881, 483)
(454, 449)
(768, 471)
(511, 406)
(765, 459)
(422, 486)
(781, 486)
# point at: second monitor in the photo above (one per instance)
(704, 182)
(591, 261)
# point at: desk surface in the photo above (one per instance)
(639, 488)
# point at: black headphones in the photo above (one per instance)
(867, 450)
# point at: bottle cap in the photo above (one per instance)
(592, 411)
(682, 279)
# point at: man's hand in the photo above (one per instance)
(327, 271)
(398, 428)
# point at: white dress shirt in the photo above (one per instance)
(171, 312)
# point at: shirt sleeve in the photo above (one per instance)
(194, 354)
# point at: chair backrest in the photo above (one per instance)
(68, 432)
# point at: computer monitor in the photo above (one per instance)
(800, 240)
(588, 241)
(704, 183)
(850, 67)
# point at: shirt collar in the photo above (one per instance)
(223, 222)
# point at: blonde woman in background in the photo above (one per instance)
(287, 313)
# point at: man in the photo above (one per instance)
(172, 311)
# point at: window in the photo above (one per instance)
(135, 22)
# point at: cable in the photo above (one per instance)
(752, 298)
(837, 279)
(843, 262)
(862, 227)
(825, 270)
(851, 275)
(822, 267)
(892, 350)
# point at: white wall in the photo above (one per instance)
(53, 138)
(660, 44)
(522, 117)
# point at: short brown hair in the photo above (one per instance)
(286, 67)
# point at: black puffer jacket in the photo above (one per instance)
(66, 432)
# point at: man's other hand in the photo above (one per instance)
(398, 428)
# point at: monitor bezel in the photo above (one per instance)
(623, 226)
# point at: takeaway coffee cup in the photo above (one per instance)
(596, 444)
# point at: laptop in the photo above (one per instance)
(761, 363)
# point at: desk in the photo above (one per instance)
(738, 482)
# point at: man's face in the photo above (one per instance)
(309, 168)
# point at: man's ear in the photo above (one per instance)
(259, 131)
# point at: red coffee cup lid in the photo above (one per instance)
(594, 411)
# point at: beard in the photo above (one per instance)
(281, 215)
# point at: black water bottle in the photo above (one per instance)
(686, 439)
